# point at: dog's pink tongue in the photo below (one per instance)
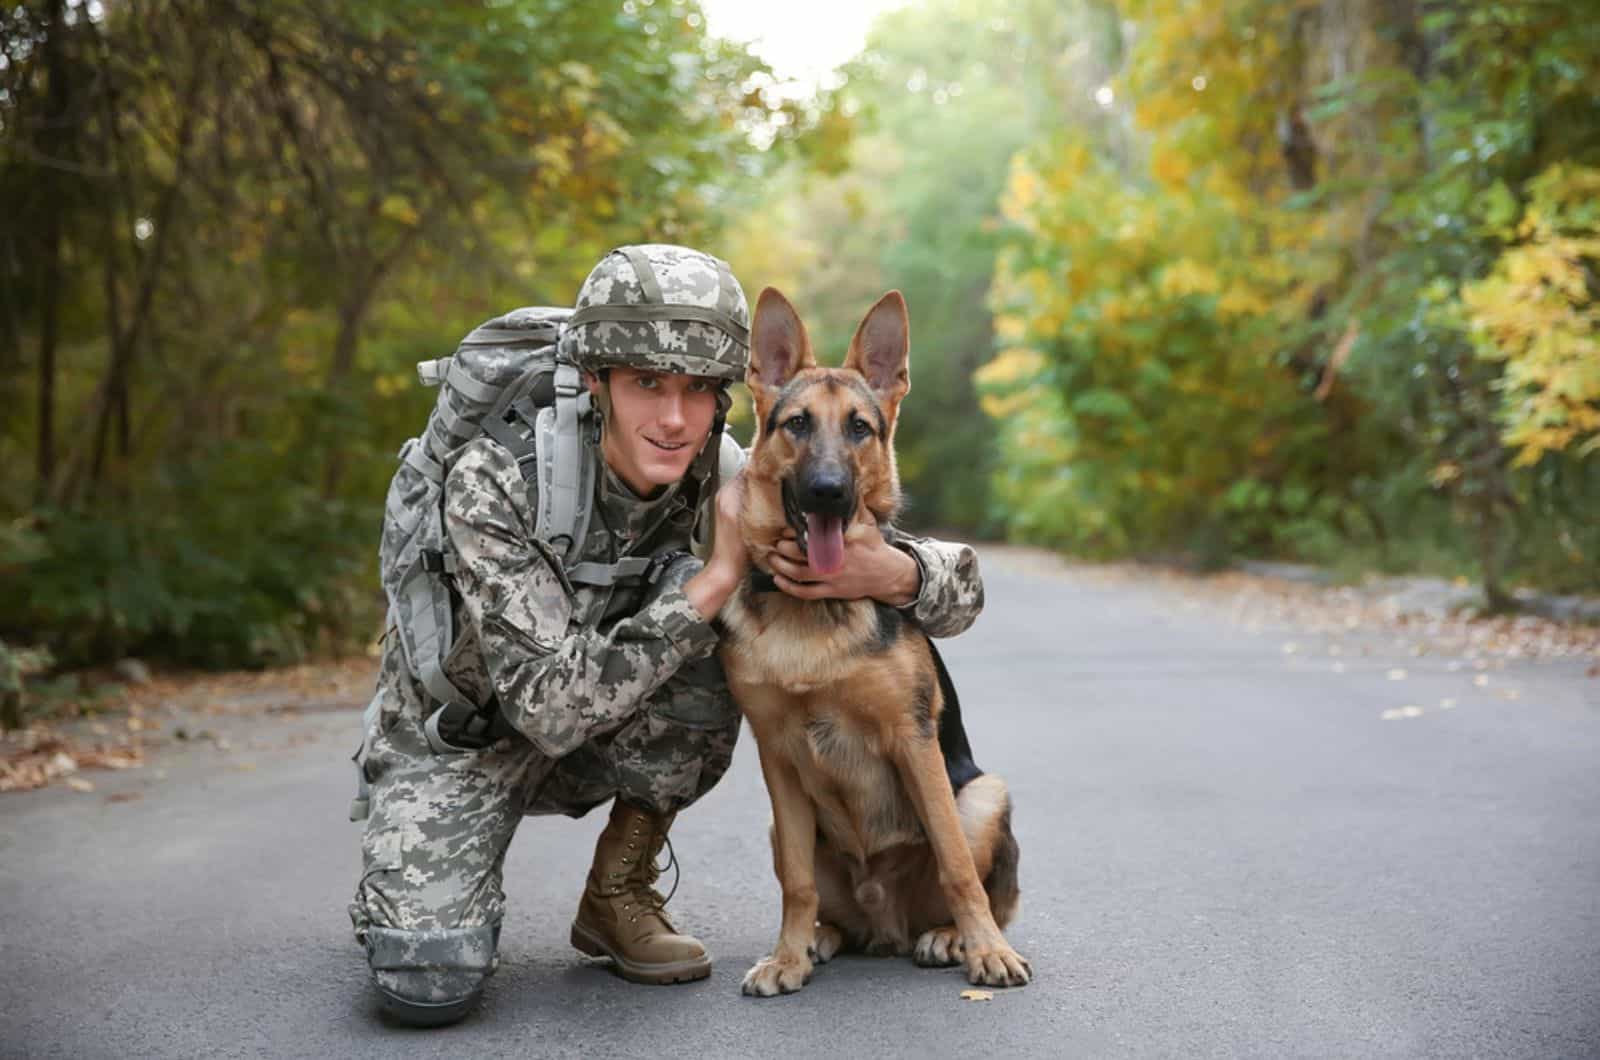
(824, 542)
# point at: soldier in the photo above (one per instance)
(605, 693)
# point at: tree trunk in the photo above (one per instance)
(113, 392)
(58, 144)
(352, 315)
(46, 465)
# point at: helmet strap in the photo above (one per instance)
(600, 398)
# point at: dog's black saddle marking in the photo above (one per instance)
(958, 763)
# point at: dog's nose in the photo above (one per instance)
(826, 489)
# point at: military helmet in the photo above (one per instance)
(661, 307)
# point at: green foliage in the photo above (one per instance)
(940, 104)
(16, 666)
(232, 231)
(211, 568)
(1333, 266)
(1306, 279)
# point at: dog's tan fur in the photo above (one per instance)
(868, 837)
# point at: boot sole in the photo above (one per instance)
(662, 974)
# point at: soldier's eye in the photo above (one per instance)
(699, 386)
(647, 382)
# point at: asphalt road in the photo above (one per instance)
(1231, 846)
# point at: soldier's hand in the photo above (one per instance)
(872, 568)
(729, 561)
(728, 553)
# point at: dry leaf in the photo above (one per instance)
(79, 784)
(1397, 675)
(125, 796)
(1410, 710)
(1482, 680)
(977, 995)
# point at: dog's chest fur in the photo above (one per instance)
(813, 688)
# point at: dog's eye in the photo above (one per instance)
(797, 423)
(859, 428)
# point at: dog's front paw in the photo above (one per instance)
(998, 965)
(939, 948)
(777, 975)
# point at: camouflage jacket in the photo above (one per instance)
(570, 663)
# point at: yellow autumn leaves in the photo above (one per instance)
(1537, 313)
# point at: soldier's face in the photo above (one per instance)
(659, 422)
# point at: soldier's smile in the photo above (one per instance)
(657, 422)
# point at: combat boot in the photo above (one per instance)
(622, 916)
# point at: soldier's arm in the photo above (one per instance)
(951, 593)
(560, 688)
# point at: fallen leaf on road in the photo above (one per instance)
(1397, 675)
(1447, 704)
(1410, 710)
(977, 995)
(125, 796)
(79, 784)
(1482, 680)
(130, 757)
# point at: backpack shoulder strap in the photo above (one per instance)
(566, 474)
(555, 449)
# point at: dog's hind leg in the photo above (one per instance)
(984, 806)
(840, 919)
(830, 940)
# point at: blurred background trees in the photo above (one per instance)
(1309, 280)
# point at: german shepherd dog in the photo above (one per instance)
(887, 838)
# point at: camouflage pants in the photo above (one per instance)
(429, 902)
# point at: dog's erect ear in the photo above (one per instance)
(779, 347)
(881, 349)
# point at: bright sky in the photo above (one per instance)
(802, 40)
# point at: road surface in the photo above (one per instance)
(1241, 836)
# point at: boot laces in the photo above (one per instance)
(659, 902)
(647, 872)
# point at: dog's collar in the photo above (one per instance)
(762, 582)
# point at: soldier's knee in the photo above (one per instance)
(431, 978)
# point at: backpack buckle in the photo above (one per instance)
(659, 564)
(568, 382)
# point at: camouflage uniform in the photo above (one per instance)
(604, 692)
